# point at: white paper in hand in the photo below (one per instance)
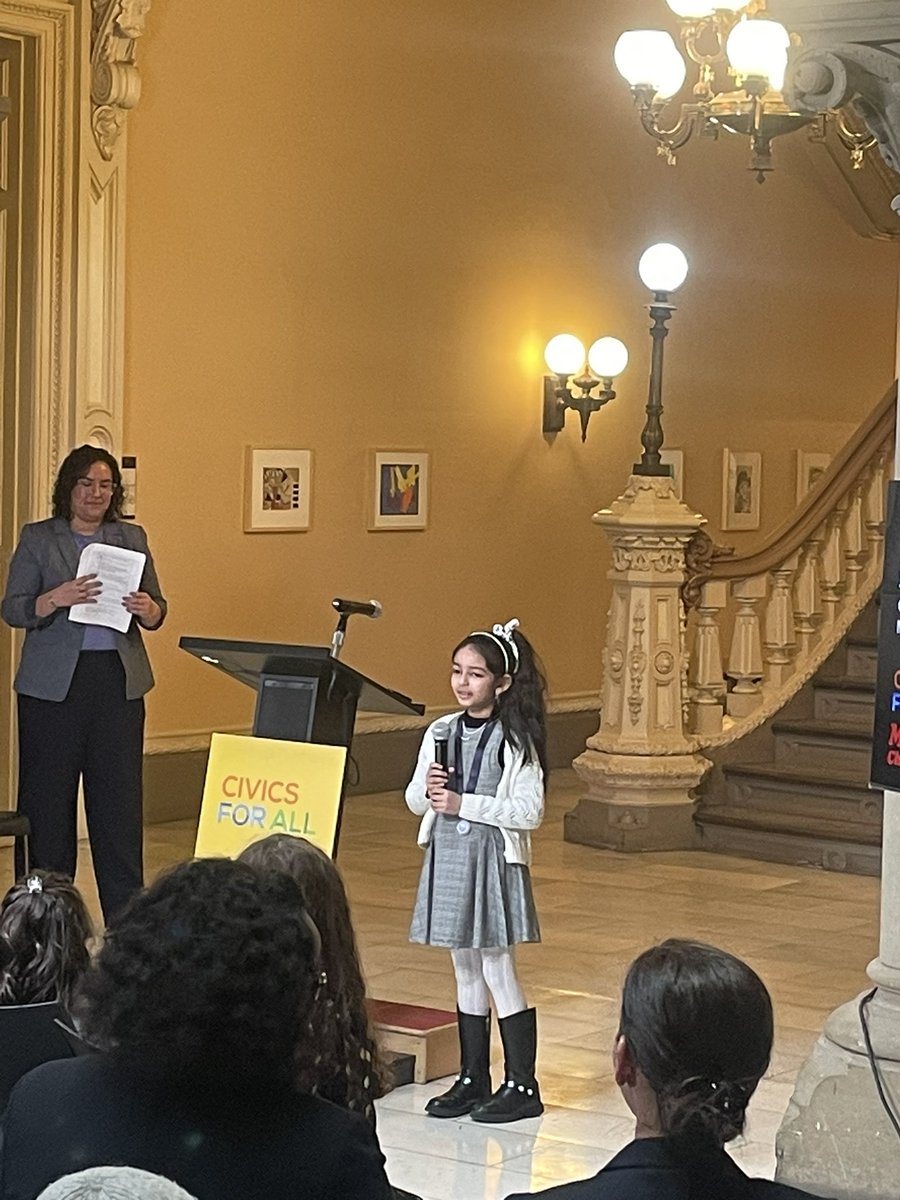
(120, 572)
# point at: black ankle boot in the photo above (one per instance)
(473, 1084)
(518, 1096)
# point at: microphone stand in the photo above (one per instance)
(337, 638)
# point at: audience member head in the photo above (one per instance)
(343, 1063)
(694, 1040)
(206, 977)
(114, 1183)
(45, 925)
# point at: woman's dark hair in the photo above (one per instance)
(698, 1024)
(206, 977)
(521, 707)
(340, 1060)
(45, 925)
(75, 466)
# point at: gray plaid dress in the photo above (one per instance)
(469, 896)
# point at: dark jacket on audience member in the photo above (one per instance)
(246, 1144)
(647, 1170)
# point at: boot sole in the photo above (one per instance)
(456, 1112)
(506, 1119)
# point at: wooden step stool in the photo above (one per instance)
(428, 1034)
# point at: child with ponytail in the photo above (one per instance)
(479, 788)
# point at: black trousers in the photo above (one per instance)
(98, 735)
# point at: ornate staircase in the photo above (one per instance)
(800, 795)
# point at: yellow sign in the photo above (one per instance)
(257, 786)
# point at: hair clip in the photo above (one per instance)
(34, 884)
(503, 636)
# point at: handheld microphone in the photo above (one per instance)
(441, 735)
(363, 608)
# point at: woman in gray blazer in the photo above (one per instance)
(81, 687)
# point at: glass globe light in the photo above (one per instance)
(608, 357)
(691, 10)
(564, 354)
(649, 58)
(663, 268)
(758, 49)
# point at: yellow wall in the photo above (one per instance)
(354, 225)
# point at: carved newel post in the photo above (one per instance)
(640, 768)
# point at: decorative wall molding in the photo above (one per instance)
(193, 741)
(116, 26)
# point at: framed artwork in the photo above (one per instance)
(399, 495)
(809, 468)
(675, 459)
(276, 490)
(741, 483)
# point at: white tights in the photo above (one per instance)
(481, 974)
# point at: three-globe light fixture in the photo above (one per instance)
(734, 45)
(663, 269)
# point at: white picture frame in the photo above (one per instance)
(810, 465)
(741, 489)
(277, 489)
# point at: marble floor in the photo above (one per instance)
(809, 933)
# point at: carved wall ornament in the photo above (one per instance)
(115, 80)
(864, 76)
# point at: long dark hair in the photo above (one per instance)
(74, 467)
(698, 1024)
(521, 707)
(46, 927)
(342, 1064)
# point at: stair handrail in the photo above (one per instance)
(796, 596)
(831, 486)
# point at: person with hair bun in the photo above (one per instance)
(45, 924)
(198, 1003)
(694, 1040)
(475, 895)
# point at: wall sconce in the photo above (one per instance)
(564, 355)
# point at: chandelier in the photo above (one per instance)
(741, 58)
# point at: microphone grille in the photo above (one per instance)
(441, 732)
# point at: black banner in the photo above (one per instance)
(886, 735)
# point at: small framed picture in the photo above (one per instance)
(809, 468)
(741, 482)
(399, 496)
(675, 459)
(277, 490)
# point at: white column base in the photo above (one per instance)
(836, 1138)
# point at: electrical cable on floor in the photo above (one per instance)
(873, 1061)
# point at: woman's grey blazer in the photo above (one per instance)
(45, 557)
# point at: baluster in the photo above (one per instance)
(745, 664)
(832, 564)
(706, 676)
(856, 547)
(807, 601)
(781, 642)
(874, 506)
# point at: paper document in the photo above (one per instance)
(120, 572)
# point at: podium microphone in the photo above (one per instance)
(362, 608)
(345, 610)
